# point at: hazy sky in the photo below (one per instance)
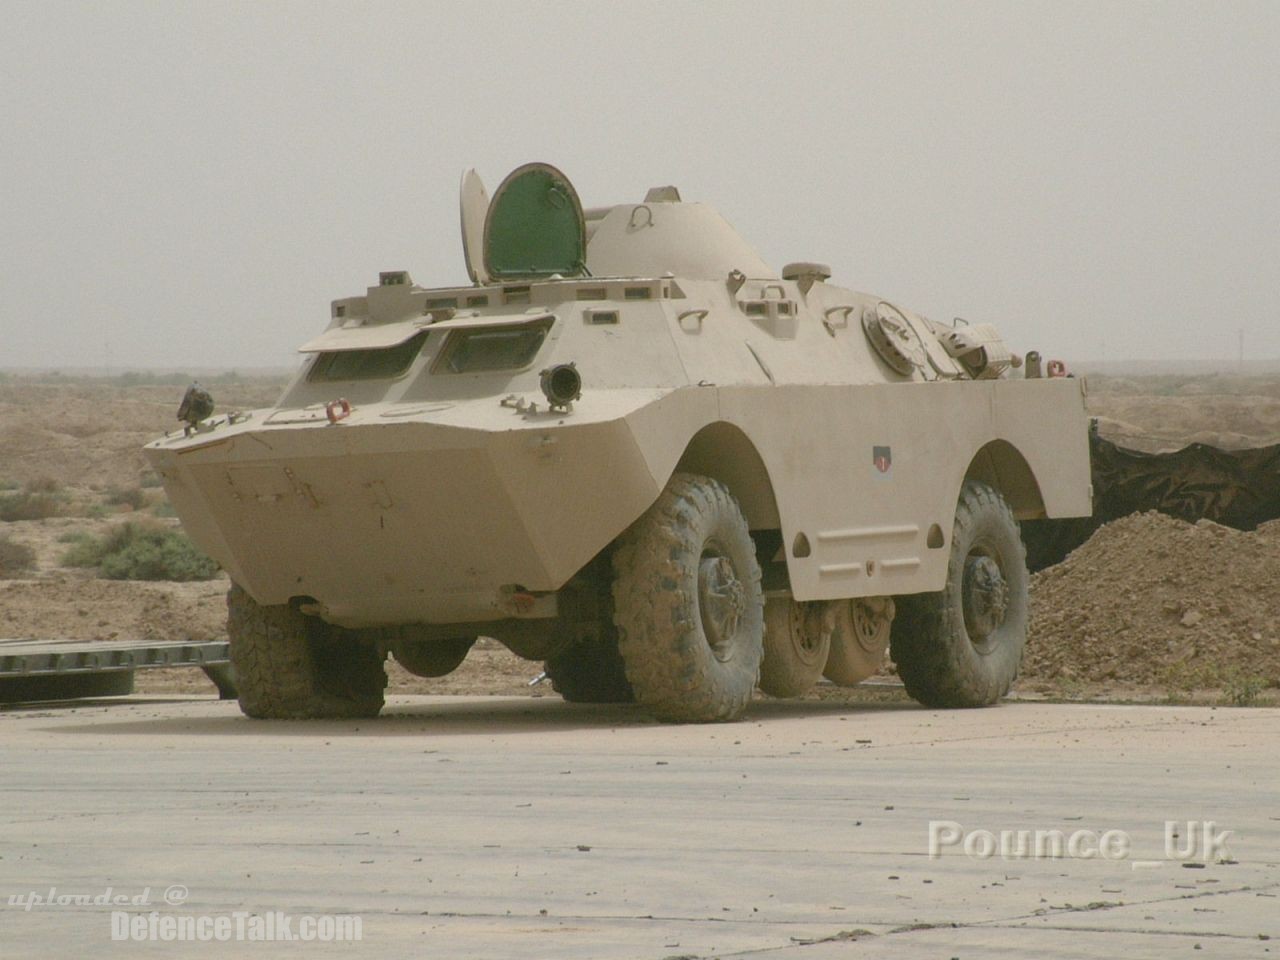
(190, 184)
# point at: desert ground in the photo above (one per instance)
(1149, 609)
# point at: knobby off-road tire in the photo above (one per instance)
(962, 647)
(688, 604)
(796, 645)
(591, 673)
(292, 667)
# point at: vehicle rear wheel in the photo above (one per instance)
(688, 604)
(961, 647)
(290, 666)
(859, 637)
(591, 672)
(796, 645)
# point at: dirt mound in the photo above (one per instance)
(1150, 600)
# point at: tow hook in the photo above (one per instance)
(338, 409)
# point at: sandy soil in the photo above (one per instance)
(86, 436)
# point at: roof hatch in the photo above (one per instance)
(473, 204)
(534, 227)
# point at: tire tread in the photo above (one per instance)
(658, 622)
(929, 636)
(278, 674)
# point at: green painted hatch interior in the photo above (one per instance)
(535, 226)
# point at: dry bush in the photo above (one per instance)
(15, 559)
(133, 497)
(38, 500)
(43, 485)
(142, 551)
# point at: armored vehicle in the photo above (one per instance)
(633, 450)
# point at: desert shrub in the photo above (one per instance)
(1236, 685)
(134, 551)
(35, 501)
(85, 550)
(163, 508)
(150, 481)
(15, 558)
(1240, 687)
(43, 485)
(127, 496)
(1182, 678)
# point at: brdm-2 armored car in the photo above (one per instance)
(631, 449)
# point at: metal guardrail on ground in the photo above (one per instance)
(69, 669)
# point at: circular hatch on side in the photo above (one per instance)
(893, 338)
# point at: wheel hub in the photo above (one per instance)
(871, 617)
(807, 631)
(722, 601)
(986, 597)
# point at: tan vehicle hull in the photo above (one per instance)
(459, 460)
(387, 519)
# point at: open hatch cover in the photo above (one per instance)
(534, 226)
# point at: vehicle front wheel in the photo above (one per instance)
(688, 604)
(961, 647)
(290, 666)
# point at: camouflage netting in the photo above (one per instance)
(1237, 488)
(1153, 600)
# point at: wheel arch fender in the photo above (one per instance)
(722, 451)
(1002, 465)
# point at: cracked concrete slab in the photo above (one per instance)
(508, 827)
